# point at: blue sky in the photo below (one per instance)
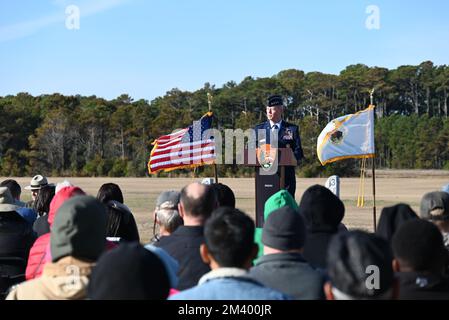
(147, 47)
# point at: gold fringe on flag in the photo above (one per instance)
(361, 195)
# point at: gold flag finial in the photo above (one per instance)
(209, 101)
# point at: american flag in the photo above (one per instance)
(184, 148)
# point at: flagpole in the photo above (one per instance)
(374, 172)
(209, 102)
(215, 173)
(374, 194)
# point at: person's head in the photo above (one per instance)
(63, 184)
(284, 231)
(391, 218)
(166, 214)
(37, 182)
(435, 208)
(63, 195)
(170, 263)
(275, 108)
(278, 200)
(228, 239)
(359, 265)
(7, 201)
(129, 272)
(108, 192)
(79, 229)
(197, 203)
(111, 195)
(13, 187)
(42, 203)
(323, 210)
(418, 247)
(225, 195)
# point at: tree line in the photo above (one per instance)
(54, 134)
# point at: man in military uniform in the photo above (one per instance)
(287, 135)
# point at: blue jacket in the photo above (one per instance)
(229, 284)
(287, 134)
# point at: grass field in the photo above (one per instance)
(391, 187)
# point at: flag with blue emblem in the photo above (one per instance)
(349, 136)
(186, 148)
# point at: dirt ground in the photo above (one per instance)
(391, 187)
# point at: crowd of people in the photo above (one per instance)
(65, 244)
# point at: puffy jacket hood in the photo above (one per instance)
(60, 198)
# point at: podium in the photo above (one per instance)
(268, 182)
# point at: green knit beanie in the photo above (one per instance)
(79, 229)
(278, 200)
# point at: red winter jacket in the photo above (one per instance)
(38, 257)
